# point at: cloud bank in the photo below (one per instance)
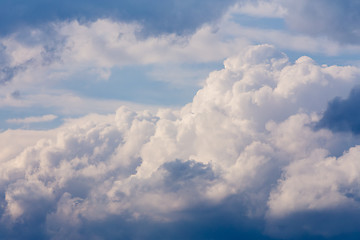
(244, 153)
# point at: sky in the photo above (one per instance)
(169, 119)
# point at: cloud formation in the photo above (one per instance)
(244, 151)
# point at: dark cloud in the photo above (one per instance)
(337, 19)
(226, 220)
(16, 94)
(331, 224)
(180, 173)
(6, 74)
(157, 16)
(343, 115)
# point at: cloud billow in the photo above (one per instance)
(241, 160)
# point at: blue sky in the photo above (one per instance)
(179, 119)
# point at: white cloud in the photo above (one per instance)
(316, 183)
(95, 48)
(27, 120)
(12, 142)
(106, 43)
(249, 125)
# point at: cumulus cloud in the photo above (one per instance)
(316, 187)
(244, 151)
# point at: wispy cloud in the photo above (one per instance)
(27, 120)
(261, 8)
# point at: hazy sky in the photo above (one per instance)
(169, 119)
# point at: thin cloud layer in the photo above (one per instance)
(336, 19)
(244, 151)
(26, 120)
(159, 17)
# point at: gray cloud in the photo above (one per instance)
(343, 115)
(336, 19)
(6, 72)
(332, 224)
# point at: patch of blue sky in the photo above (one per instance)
(137, 84)
(320, 58)
(129, 84)
(184, 74)
(340, 60)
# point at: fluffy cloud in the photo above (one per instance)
(314, 187)
(244, 151)
(76, 48)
